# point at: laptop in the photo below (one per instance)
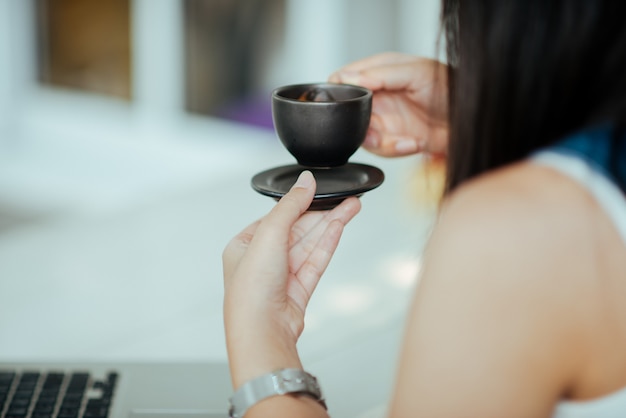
(121, 390)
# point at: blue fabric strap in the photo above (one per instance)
(602, 149)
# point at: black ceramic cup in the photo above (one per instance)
(324, 133)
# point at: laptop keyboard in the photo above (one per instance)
(55, 395)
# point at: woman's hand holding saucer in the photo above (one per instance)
(271, 269)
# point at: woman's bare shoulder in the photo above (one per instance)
(491, 300)
(532, 223)
(526, 207)
(525, 235)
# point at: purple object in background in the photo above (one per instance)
(254, 110)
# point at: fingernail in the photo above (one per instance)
(305, 179)
(406, 146)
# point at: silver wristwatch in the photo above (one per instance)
(280, 382)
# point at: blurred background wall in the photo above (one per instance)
(102, 79)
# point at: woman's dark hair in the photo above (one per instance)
(525, 73)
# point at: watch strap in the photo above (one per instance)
(279, 382)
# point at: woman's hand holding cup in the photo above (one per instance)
(409, 110)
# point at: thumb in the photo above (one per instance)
(290, 207)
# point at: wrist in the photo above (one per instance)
(254, 351)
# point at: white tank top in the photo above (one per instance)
(612, 199)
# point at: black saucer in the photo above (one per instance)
(333, 184)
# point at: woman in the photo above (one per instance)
(521, 306)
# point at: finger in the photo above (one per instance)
(399, 127)
(412, 76)
(372, 61)
(313, 222)
(394, 130)
(393, 145)
(428, 139)
(310, 226)
(275, 226)
(236, 248)
(382, 120)
(312, 268)
(306, 239)
(309, 269)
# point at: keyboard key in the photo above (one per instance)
(50, 397)
(78, 380)
(29, 380)
(6, 381)
(71, 403)
(6, 375)
(44, 408)
(18, 410)
(53, 380)
(19, 402)
(23, 394)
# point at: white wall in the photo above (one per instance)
(323, 35)
(4, 47)
(419, 26)
(16, 54)
(158, 66)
